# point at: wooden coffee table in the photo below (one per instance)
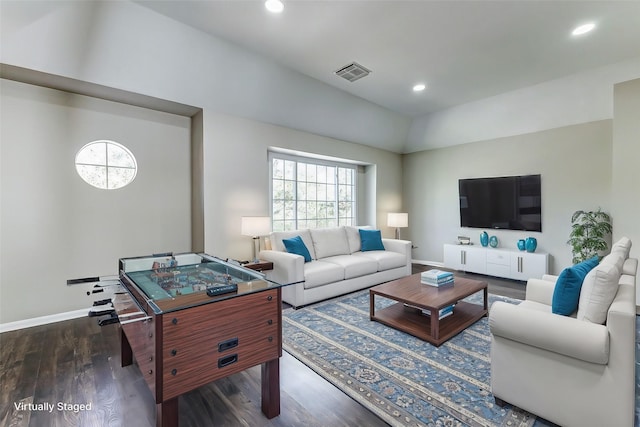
(418, 296)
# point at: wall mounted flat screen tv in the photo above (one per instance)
(509, 202)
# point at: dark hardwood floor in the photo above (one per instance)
(78, 362)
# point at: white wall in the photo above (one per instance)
(237, 171)
(124, 45)
(54, 226)
(625, 195)
(579, 98)
(575, 164)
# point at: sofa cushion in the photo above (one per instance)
(318, 273)
(295, 245)
(329, 242)
(386, 259)
(353, 237)
(371, 240)
(567, 290)
(598, 291)
(276, 238)
(354, 266)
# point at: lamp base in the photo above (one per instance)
(397, 233)
(256, 248)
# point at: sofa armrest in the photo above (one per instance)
(401, 246)
(287, 268)
(549, 278)
(552, 332)
(539, 290)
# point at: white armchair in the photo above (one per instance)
(571, 372)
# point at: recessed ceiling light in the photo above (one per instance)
(274, 6)
(419, 87)
(583, 29)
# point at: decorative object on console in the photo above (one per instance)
(398, 220)
(530, 244)
(588, 232)
(493, 241)
(255, 226)
(484, 239)
(522, 244)
(464, 240)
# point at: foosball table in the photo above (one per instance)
(190, 319)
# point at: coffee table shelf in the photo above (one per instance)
(410, 319)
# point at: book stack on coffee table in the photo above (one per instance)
(436, 278)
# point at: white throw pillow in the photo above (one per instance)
(329, 242)
(353, 237)
(276, 238)
(616, 257)
(624, 244)
(598, 291)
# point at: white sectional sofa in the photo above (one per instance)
(576, 370)
(338, 265)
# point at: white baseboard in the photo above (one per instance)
(431, 263)
(43, 320)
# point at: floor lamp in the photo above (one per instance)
(398, 220)
(255, 226)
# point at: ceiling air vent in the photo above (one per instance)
(353, 72)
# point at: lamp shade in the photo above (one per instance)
(255, 226)
(398, 220)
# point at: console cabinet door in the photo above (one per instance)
(465, 258)
(453, 257)
(476, 260)
(525, 265)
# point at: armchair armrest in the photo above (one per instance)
(539, 290)
(559, 334)
(287, 268)
(630, 266)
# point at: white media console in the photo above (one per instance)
(507, 263)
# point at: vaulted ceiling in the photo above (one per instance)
(462, 50)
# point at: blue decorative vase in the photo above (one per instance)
(521, 244)
(531, 244)
(493, 241)
(484, 238)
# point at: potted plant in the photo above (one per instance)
(588, 232)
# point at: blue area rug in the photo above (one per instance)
(402, 379)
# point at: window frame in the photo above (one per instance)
(319, 162)
(106, 165)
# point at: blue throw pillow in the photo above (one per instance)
(566, 294)
(371, 240)
(295, 245)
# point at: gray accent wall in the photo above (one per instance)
(625, 194)
(575, 164)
